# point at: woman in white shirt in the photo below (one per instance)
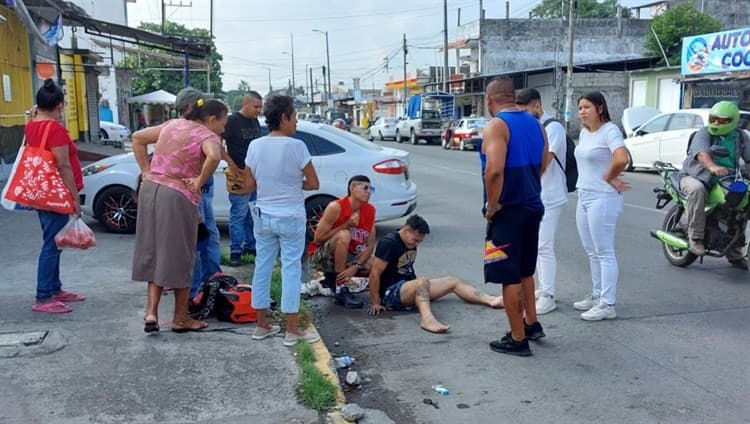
(602, 156)
(281, 167)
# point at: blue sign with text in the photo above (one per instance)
(726, 51)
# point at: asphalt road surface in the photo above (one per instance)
(675, 354)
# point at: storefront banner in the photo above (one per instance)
(726, 51)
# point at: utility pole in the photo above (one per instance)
(569, 82)
(269, 81)
(294, 87)
(405, 51)
(445, 45)
(163, 15)
(312, 90)
(210, 53)
(327, 90)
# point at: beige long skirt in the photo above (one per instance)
(165, 237)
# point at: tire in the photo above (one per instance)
(116, 209)
(103, 134)
(380, 133)
(413, 138)
(398, 137)
(444, 143)
(369, 136)
(314, 209)
(461, 145)
(681, 258)
(629, 167)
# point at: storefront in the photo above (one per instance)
(716, 67)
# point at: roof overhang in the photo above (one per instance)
(726, 76)
(73, 15)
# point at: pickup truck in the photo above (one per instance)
(424, 118)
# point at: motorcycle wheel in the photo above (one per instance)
(672, 224)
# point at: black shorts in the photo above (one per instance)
(511, 245)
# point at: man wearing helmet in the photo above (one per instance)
(700, 171)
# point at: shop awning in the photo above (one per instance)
(158, 97)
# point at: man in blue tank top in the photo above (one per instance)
(516, 148)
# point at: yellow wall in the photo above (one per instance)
(76, 114)
(16, 63)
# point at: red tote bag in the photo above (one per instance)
(37, 182)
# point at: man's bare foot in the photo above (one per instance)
(433, 325)
(495, 302)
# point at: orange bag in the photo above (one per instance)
(37, 182)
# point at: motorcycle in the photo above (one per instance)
(727, 213)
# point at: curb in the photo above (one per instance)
(322, 363)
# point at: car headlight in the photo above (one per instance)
(94, 169)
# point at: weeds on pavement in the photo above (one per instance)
(313, 388)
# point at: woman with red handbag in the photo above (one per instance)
(50, 297)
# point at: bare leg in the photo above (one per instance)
(292, 324)
(442, 286)
(152, 307)
(512, 296)
(340, 248)
(417, 292)
(181, 317)
(262, 319)
(528, 299)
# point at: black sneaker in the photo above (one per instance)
(533, 331)
(511, 347)
(346, 299)
(235, 259)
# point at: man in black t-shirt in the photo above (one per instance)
(394, 285)
(242, 128)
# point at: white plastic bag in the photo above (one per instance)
(75, 234)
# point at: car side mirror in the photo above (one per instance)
(719, 151)
(641, 132)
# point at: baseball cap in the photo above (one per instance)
(186, 97)
(527, 95)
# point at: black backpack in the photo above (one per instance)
(203, 304)
(571, 165)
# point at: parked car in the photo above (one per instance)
(301, 116)
(467, 134)
(109, 184)
(446, 138)
(314, 118)
(113, 133)
(383, 128)
(664, 137)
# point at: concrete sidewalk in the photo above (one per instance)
(95, 364)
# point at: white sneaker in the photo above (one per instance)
(544, 304)
(599, 312)
(291, 339)
(586, 304)
(261, 333)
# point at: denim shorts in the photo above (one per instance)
(392, 298)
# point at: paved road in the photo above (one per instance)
(676, 353)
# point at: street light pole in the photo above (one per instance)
(294, 87)
(569, 82)
(328, 65)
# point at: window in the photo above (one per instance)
(681, 121)
(657, 125)
(318, 146)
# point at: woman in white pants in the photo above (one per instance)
(602, 156)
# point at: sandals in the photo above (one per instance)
(150, 325)
(53, 307)
(188, 325)
(64, 296)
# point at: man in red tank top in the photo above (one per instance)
(345, 239)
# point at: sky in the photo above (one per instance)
(254, 36)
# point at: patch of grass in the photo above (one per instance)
(246, 258)
(313, 388)
(305, 316)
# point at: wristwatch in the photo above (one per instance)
(359, 266)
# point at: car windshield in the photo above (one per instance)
(351, 137)
(476, 123)
(430, 114)
(389, 121)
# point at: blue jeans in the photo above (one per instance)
(272, 234)
(48, 271)
(208, 258)
(241, 223)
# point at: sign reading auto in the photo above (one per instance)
(725, 51)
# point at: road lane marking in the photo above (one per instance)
(644, 208)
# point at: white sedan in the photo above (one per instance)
(109, 184)
(383, 128)
(115, 133)
(665, 137)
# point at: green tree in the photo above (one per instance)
(155, 70)
(584, 9)
(677, 22)
(234, 97)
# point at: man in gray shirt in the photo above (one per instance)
(701, 171)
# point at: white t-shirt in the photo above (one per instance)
(277, 163)
(554, 187)
(594, 156)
